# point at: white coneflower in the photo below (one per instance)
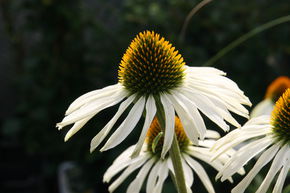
(157, 169)
(153, 73)
(269, 136)
(274, 91)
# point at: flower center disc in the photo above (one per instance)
(151, 65)
(154, 133)
(281, 118)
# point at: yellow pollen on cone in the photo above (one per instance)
(280, 118)
(151, 65)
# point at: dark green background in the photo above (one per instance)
(52, 51)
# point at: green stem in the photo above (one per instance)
(175, 155)
(245, 37)
(174, 152)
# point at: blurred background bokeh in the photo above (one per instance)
(52, 51)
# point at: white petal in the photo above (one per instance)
(169, 124)
(262, 161)
(232, 103)
(199, 170)
(105, 131)
(265, 107)
(162, 175)
(207, 108)
(170, 165)
(187, 122)
(188, 175)
(205, 155)
(127, 126)
(77, 126)
(126, 173)
(92, 108)
(150, 113)
(188, 104)
(206, 143)
(277, 163)
(232, 139)
(93, 95)
(120, 163)
(283, 174)
(212, 134)
(136, 184)
(151, 181)
(243, 155)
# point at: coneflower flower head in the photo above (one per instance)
(269, 140)
(156, 170)
(151, 65)
(155, 137)
(152, 74)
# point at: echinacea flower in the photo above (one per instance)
(157, 169)
(274, 91)
(152, 73)
(270, 140)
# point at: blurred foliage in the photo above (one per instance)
(62, 49)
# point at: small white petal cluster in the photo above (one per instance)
(262, 144)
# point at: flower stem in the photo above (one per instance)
(174, 153)
(245, 37)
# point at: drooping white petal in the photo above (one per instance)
(232, 103)
(220, 85)
(169, 124)
(207, 108)
(93, 108)
(121, 162)
(150, 113)
(136, 184)
(223, 110)
(170, 165)
(243, 156)
(186, 102)
(283, 174)
(162, 175)
(199, 170)
(127, 126)
(126, 173)
(266, 157)
(105, 131)
(205, 155)
(232, 139)
(77, 126)
(277, 163)
(188, 175)
(206, 143)
(93, 95)
(187, 121)
(151, 181)
(212, 134)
